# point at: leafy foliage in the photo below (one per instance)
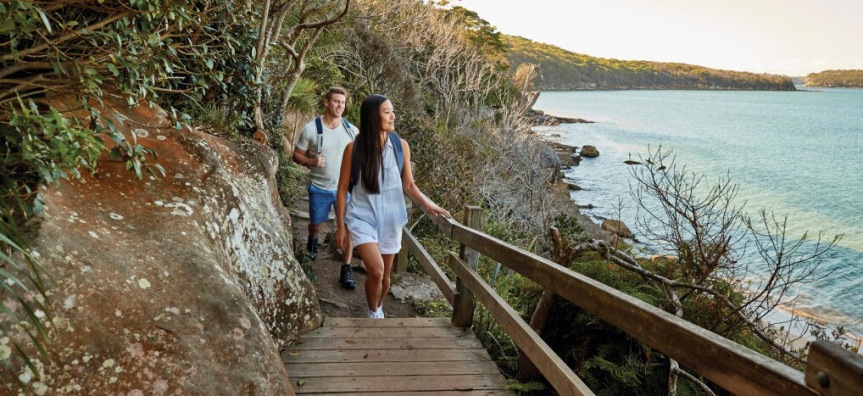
(189, 56)
(526, 388)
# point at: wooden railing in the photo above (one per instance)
(831, 369)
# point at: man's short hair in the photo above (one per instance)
(335, 90)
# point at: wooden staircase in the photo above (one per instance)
(425, 356)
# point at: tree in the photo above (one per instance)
(706, 226)
(307, 20)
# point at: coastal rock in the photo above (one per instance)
(576, 159)
(171, 285)
(589, 151)
(412, 287)
(539, 117)
(573, 186)
(617, 227)
(548, 157)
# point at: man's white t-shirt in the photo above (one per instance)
(334, 142)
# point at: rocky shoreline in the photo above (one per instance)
(610, 230)
(567, 157)
(540, 118)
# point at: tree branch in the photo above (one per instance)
(67, 36)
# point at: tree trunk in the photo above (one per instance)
(526, 369)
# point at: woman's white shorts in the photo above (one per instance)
(363, 233)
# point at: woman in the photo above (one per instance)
(376, 212)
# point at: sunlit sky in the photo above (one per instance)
(791, 37)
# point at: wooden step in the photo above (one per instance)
(398, 383)
(388, 355)
(403, 356)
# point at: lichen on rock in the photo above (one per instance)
(158, 287)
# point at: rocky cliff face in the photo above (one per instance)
(185, 284)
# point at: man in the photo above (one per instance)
(320, 148)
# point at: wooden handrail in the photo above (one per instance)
(736, 368)
(550, 365)
(833, 370)
(438, 277)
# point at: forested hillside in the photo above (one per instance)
(836, 79)
(563, 70)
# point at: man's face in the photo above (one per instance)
(335, 105)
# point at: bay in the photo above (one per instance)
(794, 153)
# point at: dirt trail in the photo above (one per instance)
(335, 301)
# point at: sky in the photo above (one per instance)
(790, 37)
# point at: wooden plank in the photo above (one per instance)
(546, 360)
(310, 343)
(463, 306)
(430, 393)
(732, 366)
(363, 369)
(432, 269)
(386, 355)
(399, 383)
(393, 322)
(833, 370)
(393, 332)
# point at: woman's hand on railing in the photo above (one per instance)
(433, 210)
(342, 237)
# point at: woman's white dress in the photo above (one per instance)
(380, 217)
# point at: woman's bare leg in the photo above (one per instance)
(385, 285)
(374, 273)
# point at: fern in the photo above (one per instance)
(526, 388)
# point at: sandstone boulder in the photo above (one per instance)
(185, 284)
(617, 227)
(589, 151)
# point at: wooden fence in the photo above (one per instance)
(832, 371)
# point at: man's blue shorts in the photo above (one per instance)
(320, 202)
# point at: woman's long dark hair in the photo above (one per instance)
(369, 144)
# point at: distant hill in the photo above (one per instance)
(836, 79)
(563, 70)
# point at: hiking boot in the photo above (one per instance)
(312, 248)
(346, 278)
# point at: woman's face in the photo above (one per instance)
(388, 117)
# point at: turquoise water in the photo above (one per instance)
(795, 153)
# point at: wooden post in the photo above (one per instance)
(402, 263)
(462, 315)
(833, 370)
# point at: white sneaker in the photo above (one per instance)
(380, 312)
(373, 314)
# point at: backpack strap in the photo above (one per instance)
(319, 125)
(348, 128)
(398, 151)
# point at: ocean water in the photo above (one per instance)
(794, 153)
